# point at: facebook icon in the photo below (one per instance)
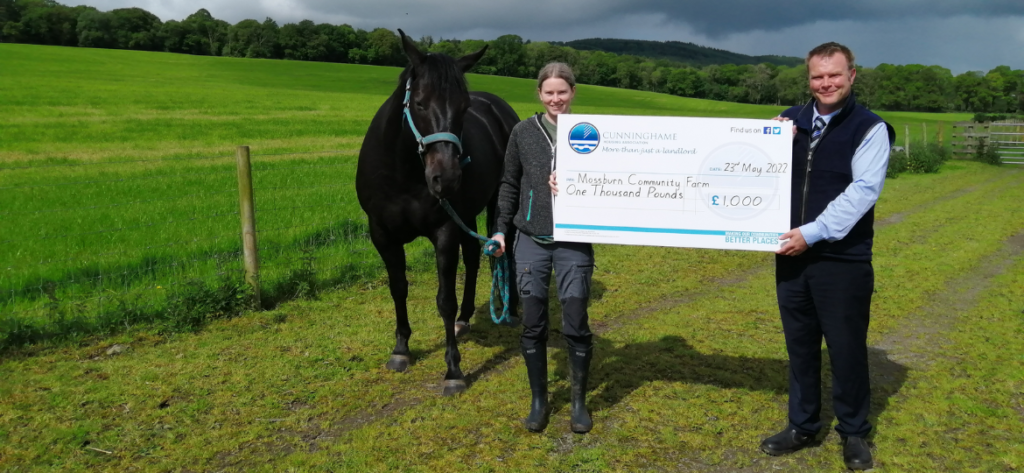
(767, 130)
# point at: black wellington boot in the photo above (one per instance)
(579, 369)
(537, 371)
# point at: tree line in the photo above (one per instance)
(910, 87)
(686, 53)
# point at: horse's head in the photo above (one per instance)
(437, 101)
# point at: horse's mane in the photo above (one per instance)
(438, 71)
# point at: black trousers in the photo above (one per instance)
(573, 265)
(820, 297)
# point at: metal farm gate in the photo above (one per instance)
(1007, 138)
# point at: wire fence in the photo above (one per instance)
(97, 247)
(113, 163)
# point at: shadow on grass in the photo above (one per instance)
(619, 371)
(486, 333)
(887, 378)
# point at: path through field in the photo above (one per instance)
(689, 375)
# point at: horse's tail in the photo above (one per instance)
(492, 214)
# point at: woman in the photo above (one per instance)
(525, 203)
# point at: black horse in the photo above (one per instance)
(402, 178)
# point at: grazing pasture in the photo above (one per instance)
(117, 184)
(117, 179)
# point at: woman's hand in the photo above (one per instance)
(500, 238)
(553, 183)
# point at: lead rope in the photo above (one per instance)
(499, 279)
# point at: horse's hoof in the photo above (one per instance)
(398, 363)
(453, 387)
(461, 328)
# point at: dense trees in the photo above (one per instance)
(251, 38)
(124, 28)
(676, 51)
(39, 22)
(199, 34)
(704, 74)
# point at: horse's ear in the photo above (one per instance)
(414, 53)
(468, 61)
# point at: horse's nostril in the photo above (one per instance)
(435, 183)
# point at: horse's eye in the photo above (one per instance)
(420, 106)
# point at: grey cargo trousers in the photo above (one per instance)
(573, 264)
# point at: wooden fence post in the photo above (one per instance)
(941, 131)
(906, 139)
(247, 211)
(924, 132)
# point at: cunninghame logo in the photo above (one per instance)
(584, 138)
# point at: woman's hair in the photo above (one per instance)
(559, 70)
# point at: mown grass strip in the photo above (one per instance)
(920, 193)
(256, 368)
(698, 384)
(967, 409)
(933, 263)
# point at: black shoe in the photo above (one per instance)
(579, 369)
(787, 441)
(857, 453)
(537, 371)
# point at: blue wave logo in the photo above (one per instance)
(584, 138)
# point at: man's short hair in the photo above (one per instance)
(830, 48)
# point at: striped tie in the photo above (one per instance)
(819, 126)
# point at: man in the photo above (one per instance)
(823, 274)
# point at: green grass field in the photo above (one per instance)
(72, 104)
(117, 188)
(118, 181)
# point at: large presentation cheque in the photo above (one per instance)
(673, 181)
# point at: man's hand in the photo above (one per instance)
(553, 183)
(795, 245)
(500, 239)
(784, 119)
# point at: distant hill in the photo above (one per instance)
(687, 53)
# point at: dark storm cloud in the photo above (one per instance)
(720, 18)
(960, 35)
(709, 18)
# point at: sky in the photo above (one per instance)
(961, 35)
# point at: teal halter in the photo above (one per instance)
(421, 140)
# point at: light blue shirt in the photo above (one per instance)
(870, 162)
